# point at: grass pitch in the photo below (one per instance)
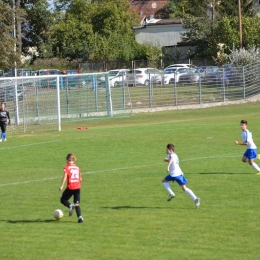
(125, 208)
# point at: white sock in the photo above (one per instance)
(168, 188)
(255, 166)
(191, 194)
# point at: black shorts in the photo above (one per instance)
(67, 194)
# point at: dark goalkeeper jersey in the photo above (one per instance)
(4, 115)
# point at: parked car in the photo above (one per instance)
(143, 76)
(116, 77)
(172, 75)
(75, 79)
(194, 75)
(49, 82)
(7, 93)
(185, 65)
(218, 76)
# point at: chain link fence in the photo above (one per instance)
(46, 102)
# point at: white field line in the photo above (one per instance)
(116, 169)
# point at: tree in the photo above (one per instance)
(8, 55)
(36, 28)
(226, 32)
(222, 27)
(200, 33)
(230, 8)
(96, 31)
(184, 8)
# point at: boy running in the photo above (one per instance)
(176, 174)
(251, 151)
(73, 177)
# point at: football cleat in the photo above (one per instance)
(197, 202)
(170, 197)
(80, 219)
(72, 207)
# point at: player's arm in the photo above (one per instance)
(80, 177)
(241, 143)
(63, 180)
(169, 164)
(8, 117)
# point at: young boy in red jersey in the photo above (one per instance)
(73, 177)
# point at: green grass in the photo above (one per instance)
(126, 215)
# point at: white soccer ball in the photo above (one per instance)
(58, 214)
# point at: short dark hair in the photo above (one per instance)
(71, 157)
(243, 122)
(170, 147)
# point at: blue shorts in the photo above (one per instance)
(181, 180)
(251, 153)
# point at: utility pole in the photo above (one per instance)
(240, 25)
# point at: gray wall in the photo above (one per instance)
(162, 35)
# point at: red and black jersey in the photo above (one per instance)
(73, 176)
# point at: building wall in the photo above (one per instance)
(162, 35)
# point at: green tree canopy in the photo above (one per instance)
(95, 31)
(8, 55)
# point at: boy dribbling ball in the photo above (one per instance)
(73, 177)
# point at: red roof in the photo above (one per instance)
(147, 8)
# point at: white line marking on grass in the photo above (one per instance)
(118, 169)
(31, 144)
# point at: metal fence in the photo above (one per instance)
(46, 102)
(159, 64)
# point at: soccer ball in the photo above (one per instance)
(58, 214)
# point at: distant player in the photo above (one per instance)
(176, 174)
(251, 152)
(73, 177)
(4, 119)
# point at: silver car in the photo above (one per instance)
(143, 76)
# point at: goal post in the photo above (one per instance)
(46, 102)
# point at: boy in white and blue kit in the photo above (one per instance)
(176, 174)
(251, 152)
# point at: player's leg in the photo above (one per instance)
(77, 207)
(3, 135)
(66, 195)
(168, 187)
(244, 159)
(2, 130)
(182, 181)
(252, 155)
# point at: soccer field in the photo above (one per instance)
(124, 204)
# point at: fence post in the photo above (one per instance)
(108, 97)
(244, 83)
(224, 85)
(58, 103)
(16, 107)
(150, 92)
(175, 89)
(200, 94)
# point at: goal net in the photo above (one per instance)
(46, 102)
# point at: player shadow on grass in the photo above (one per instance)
(229, 173)
(133, 207)
(31, 221)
